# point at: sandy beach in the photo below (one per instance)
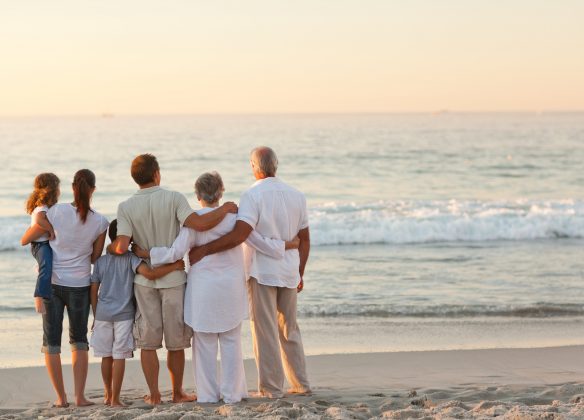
(414, 168)
(514, 383)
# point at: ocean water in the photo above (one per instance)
(442, 231)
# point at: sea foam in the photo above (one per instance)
(415, 222)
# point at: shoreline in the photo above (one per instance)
(351, 335)
(451, 383)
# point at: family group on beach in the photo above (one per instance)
(246, 259)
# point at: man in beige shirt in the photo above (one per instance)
(151, 218)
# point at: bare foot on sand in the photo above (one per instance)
(152, 399)
(60, 404)
(83, 402)
(305, 393)
(182, 397)
(117, 403)
(267, 395)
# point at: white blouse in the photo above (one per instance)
(216, 293)
(73, 244)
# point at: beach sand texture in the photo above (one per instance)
(544, 383)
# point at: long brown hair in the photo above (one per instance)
(45, 192)
(83, 183)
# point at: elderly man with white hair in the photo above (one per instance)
(274, 210)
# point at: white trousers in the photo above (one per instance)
(232, 386)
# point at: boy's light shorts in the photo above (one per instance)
(113, 339)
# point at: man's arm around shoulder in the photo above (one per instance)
(120, 246)
(124, 232)
(203, 222)
(234, 238)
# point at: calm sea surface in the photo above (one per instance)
(429, 232)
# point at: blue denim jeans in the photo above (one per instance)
(76, 300)
(43, 254)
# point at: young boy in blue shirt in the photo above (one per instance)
(112, 301)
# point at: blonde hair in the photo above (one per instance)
(45, 193)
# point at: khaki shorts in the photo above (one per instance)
(160, 312)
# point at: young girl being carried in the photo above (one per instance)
(45, 195)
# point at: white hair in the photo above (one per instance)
(266, 160)
(209, 187)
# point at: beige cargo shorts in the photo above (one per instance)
(160, 314)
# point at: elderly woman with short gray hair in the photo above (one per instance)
(216, 296)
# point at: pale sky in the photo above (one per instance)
(271, 56)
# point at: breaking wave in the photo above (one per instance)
(415, 222)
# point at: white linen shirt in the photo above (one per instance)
(274, 210)
(216, 293)
(73, 244)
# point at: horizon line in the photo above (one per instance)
(110, 114)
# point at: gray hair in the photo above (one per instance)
(209, 187)
(266, 160)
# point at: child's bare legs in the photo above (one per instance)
(106, 374)
(39, 305)
(119, 366)
(53, 363)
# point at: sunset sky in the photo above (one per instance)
(269, 56)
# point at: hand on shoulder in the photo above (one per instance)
(230, 207)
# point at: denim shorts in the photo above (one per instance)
(43, 254)
(76, 300)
